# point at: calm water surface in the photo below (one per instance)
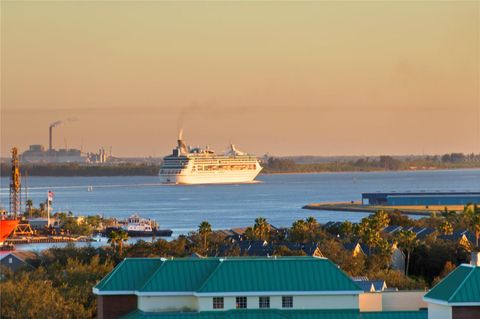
(278, 198)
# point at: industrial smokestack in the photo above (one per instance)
(50, 131)
(50, 138)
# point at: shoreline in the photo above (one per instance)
(275, 173)
(375, 171)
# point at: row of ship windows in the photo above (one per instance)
(170, 171)
(175, 170)
(224, 167)
(241, 302)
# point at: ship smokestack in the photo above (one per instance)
(181, 145)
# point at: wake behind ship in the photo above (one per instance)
(197, 165)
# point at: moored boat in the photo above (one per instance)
(136, 226)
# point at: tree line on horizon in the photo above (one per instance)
(270, 165)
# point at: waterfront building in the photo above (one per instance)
(457, 296)
(420, 198)
(275, 287)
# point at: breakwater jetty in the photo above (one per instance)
(359, 208)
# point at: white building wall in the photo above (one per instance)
(206, 303)
(403, 300)
(299, 302)
(326, 302)
(167, 303)
(439, 312)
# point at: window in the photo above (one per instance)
(241, 302)
(264, 302)
(217, 302)
(287, 302)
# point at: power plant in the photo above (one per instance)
(37, 153)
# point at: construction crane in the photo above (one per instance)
(15, 185)
(16, 196)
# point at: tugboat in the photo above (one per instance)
(135, 226)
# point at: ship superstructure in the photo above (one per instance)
(195, 165)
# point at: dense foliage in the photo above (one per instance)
(72, 169)
(59, 285)
(382, 163)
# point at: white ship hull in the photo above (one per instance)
(217, 177)
(188, 165)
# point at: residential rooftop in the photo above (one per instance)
(460, 287)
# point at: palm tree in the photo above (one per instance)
(204, 229)
(312, 226)
(29, 204)
(261, 228)
(298, 231)
(450, 216)
(116, 239)
(380, 219)
(369, 233)
(446, 228)
(472, 211)
(407, 240)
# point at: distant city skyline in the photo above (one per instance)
(284, 78)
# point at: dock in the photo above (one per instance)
(46, 239)
(358, 207)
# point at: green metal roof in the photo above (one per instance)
(281, 314)
(130, 274)
(282, 274)
(460, 286)
(181, 275)
(214, 275)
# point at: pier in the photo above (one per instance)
(46, 239)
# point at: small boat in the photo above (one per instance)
(135, 226)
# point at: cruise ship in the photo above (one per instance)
(195, 165)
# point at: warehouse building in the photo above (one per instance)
(420, 198)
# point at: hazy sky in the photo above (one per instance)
(288, 78)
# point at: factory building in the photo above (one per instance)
(37, 154)
(420, 198)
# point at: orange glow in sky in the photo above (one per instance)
(287, 78)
